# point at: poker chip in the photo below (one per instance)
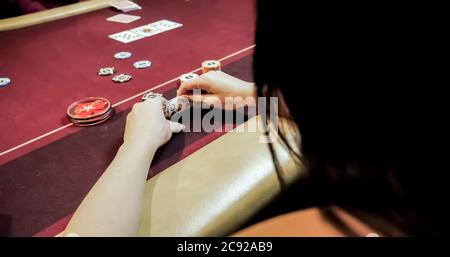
(94, 121)
(122, 78)
(170, 107)
(122, 55)
(150, 95)
(4, 82)
(106, 71)
(88, 108)
(142, 64)
(188, 76)
(90, 111)
(177, 104)
(210, 65)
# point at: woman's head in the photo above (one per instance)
(353, 84)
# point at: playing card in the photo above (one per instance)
(166, 25)
(147, 30)
(126, 36)
(125, 6)
(123, 18)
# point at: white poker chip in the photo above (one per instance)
(177, 104)
(142, 64)
(106, 71)
(150, 95)
(122, 55)
(188, 76)
(4, 82)
(121, 78)
(210, 65)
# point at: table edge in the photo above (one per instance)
(52, 14)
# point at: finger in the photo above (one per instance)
(208, 99)
(159, 100)
(190, 85)
(176, 127)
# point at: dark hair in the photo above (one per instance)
(356, 84)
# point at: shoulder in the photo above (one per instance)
(309, 222)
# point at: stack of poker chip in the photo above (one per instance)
(172, 106)
(90, 111)
(211, 65)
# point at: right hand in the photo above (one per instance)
(147, 125)
(218, 85)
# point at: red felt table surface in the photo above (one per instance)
(47, 184)
(53, 64)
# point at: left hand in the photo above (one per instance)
(147, 125)
(219, 86)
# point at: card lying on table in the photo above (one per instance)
(125, 6)
(123, 18)
(165, 25)
(126, 36)
(145, 31)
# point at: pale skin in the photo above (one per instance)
(113, 206)
(218, 86)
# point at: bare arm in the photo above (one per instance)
(113, 206)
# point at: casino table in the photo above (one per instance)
(199, 184)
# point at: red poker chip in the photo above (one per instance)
(88, 108)
(101, 117)
(93, 123)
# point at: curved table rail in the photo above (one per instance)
(52, 14)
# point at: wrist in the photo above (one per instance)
(140, 147)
